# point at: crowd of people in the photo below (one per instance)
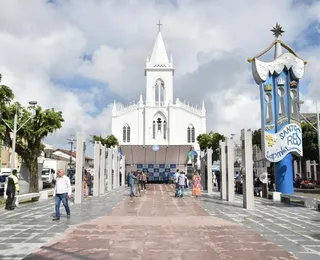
(137, 182)
(182, 182)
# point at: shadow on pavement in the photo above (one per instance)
(55, 253)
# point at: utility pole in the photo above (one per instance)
(71, 140)
(318, 132)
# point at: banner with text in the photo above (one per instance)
(287, 140)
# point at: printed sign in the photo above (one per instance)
(287, 140)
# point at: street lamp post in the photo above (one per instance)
(318, 132)
(15, 130)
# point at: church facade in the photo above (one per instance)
(160, 119)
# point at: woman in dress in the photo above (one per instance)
(196, 184)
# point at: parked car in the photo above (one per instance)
(3, 179)
(307, 184)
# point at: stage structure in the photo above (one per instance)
(280, 118)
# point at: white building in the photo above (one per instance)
(160, 120)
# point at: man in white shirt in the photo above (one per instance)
(62, 192)
(181, 182)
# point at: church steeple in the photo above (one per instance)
(159, 54)
(159, 72)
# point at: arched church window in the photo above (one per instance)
(159, 93)
(164, 130)
(154, 130)
(159, 121)
(126, 133)
(191, 135)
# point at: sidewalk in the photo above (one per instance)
(30, 226)
(159, 226)
(296, 229)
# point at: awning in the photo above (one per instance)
(143, 154)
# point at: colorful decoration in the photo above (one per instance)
(280, 118)
(192, 154)
(120, 152)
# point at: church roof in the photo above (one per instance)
(159, 53)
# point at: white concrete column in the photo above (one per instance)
(223, 172)
(115, 164)
(248, 197)
(295, 168)
(96, 168)
(123, 171)
(78, 195)
(230, 154)
(102, 187)
(308, 169)
(118, 178)
(209, 170)
(109, 169)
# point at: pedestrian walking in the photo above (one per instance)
(12, 189)
(131, 179)
(138, 183)
(88, 181)
(196, 184)
(62, 192)
(181, 182)
(144, 181)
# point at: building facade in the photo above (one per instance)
(160, 119)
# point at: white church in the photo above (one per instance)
(160, 121)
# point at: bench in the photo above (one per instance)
(298, 200)
(274, 195)
(28, 196)
(318, 205)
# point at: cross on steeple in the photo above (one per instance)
(159, 25)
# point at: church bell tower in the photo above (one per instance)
(159, 73)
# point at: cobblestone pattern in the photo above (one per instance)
(30, 226)
(157, 226)
(296, 229)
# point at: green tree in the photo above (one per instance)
(211, 140)
(256, 138)
(309, 142)
(6, 96)
(36, 126)
(109, 141)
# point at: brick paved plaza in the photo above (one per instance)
(159, 226)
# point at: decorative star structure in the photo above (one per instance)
(277, 30)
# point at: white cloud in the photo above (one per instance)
(209, 40)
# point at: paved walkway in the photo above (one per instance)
(30, 226)
(296, 229)
(159, 226)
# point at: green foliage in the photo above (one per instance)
(309, 142)
(33, 125)
(210, 140)
(256, 138)
(109, 141)
(6, 96)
